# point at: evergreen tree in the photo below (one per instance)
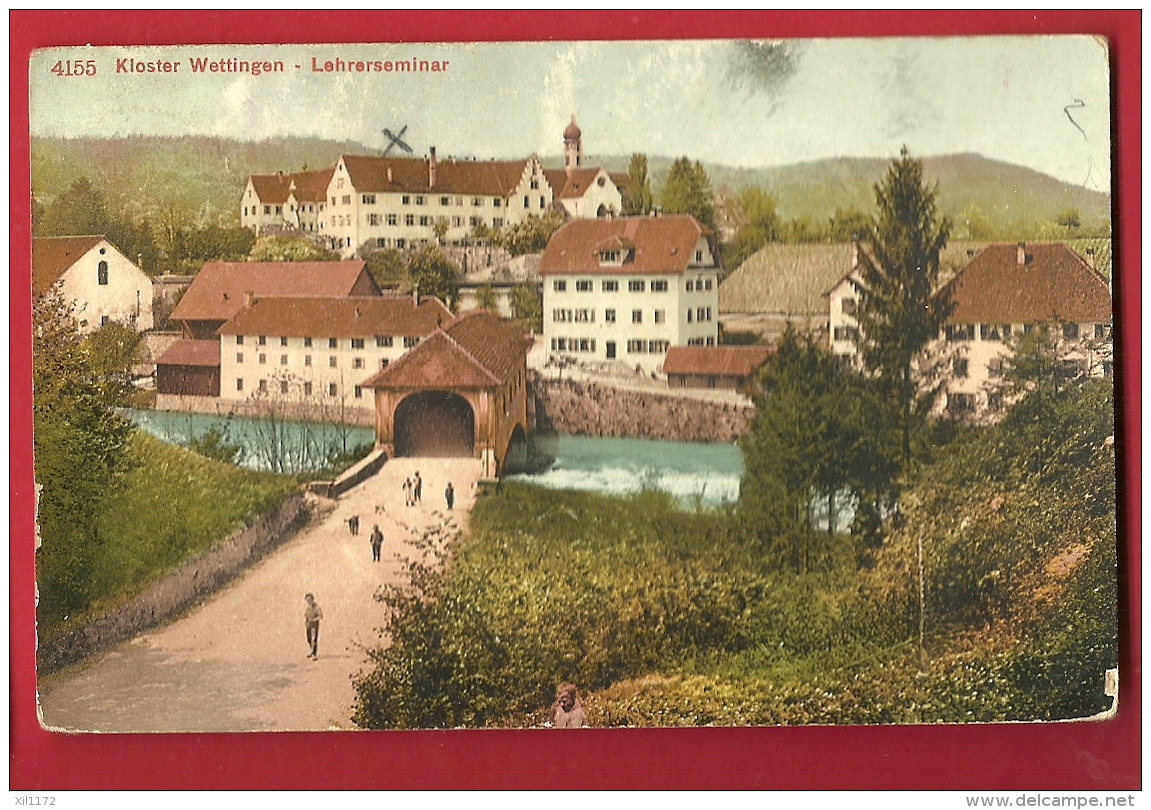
(898, 314)
(639, 202)
(758, 224)
(687, 190)
(527, 307)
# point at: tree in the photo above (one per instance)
(527, 307)
(389, 269)
(639, 201)
(83, 210)
(974, 224)
(899, 312)
(687, 190)
(531, 235)
(758, 224)
(1069, 219)
(432, 273)
(850, 225)
(80, 450)
(110, 353)
(289, 249)
(486, 299)
(440, 229)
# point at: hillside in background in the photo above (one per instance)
(201, 178)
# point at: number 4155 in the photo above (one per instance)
(75, 67)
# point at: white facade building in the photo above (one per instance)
(628, 289)
(99, 281)
(285, 201)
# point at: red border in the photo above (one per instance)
(1102, 756)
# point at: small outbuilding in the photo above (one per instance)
(731, 368)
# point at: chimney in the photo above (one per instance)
(1091, 258)
(357, 312)
(249, 298)
(415, 295)
(1021, 254)
(854, 254)
(389, 174)
(432, 168)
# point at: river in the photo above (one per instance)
(690, 472)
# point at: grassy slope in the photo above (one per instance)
(205, 176)
(173, 505)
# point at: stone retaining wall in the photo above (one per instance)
(180, 590)
(579, 408)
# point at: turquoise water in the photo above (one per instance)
(687, 471)
(281, 446)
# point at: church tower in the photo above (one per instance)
(573, 147)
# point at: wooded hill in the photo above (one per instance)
(200, 179)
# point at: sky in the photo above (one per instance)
(1037, 101)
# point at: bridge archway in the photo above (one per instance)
(435, 424)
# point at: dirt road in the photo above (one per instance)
(239, 661)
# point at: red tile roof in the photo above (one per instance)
(571, 186)
(1054, 284)
(662, 245)
(308, 186)
(51, 258)
(359, 316)
(471, 177)
(217, 291)
(477, 351)
(722, 361)
(191, 353)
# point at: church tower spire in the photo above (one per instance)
(573, 147)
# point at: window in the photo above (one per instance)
(959, 367)
(263, 385)
(657, 346)
(268, 208)
(425, 221)
(1006, 331)
(406, 200)
(960, 331)
(283, 341)
(988, 332)
(357, 343)
(263, 358)
(307, 343)
(1071, 331)
(409, 342)
(373, 219)
(382, 241)
(359, 392)
(307, 389)
(409, 219)
(847, 306)
(420, 199)
(543, 202)
(332, 389)
(239, 383)
(262, 340)
(477, 201)
(346, 200)
(609, 286)
(636, 346)
(699, 257)
(611, 257)
(690, 285)
(102, 273)
(609, 315)
(384, 362)
(636, 285)
(239, 357)
(707, 283)
(368, 199)
(711, 341)
(689, 314)
(637, 316)
(393, 219)
(307, 359)
(332, 361)
(239, 340)
(659, 286)
(333, 343)
(1101, 331)
(559, 286)
(960, 403)
(995, 401)
(357, 362)
(583, 285)
(283, 359)
(585, 316)
(497, 202)
(401, 243)
(699, 314)
(497, 222)
(995, 367)
(527, 202)
(283, 386)
(383, 341)
(846, 333)
(535, 183)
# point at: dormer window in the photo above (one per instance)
(611, 257)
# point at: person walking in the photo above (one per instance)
(450, 495)
(312, 616)
(354, 525)
(417, 488)
(377, 542)
(407, 491)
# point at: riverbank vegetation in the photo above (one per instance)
(667, 617)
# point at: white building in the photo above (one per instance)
(1004, 292)
(99, 281)
(318, 351)
(285, 201)
(627, 289)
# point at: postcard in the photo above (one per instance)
(714, 383)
